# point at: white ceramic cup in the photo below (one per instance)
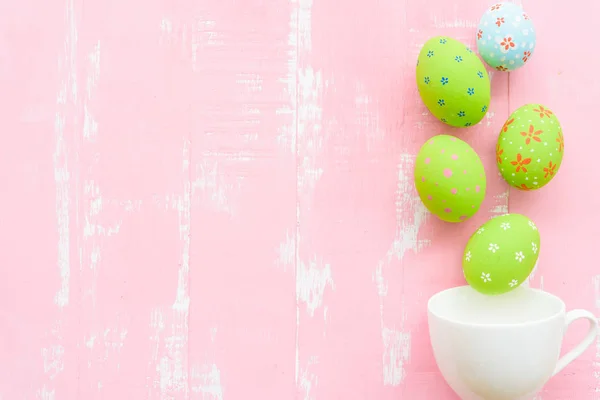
(502, 347)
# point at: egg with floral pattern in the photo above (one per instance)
(450, 178)
(530, 147)
(501, 254)
(452, 82)
(506, 37)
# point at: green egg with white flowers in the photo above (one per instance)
(501, 254)
(453, 82)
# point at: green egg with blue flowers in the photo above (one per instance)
(453, 82)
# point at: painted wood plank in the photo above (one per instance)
(39, 312)
(243, 188)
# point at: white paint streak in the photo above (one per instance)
(157, 325)
(213, 184)
(166, 26)
(306, 138)
(184, 209)
(111, 340)
(90, 341)
(489, 118)
(407, 226)
(286, 251)
(308, 381)
(286, 137)
(310, 113)
(206, 380)
(204, 34)
(67, 66)
(173, 365)
(500, 206)
(397, 352)
(396, 342)
(170, 353)
(90, 126)
(61, 178)
(455, 23)
(114, 339)
(311, 281)
(92, 228)
(251, 82)
(46, 394)
(94, 60)
(53, 360)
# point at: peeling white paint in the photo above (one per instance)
(91, 228)
(170, 351)
(166, 26)
(305, 137)
(307, 384)
(286, 137)
(184, 209)
(406, 238)
(204, 34)
(213, 184)
(206, 380)
(500, 206)
(90, 125)
(443, 23)
(157, 325)
(396, 342)
(114, 339)
(94, 61)
(312, 279)
(396, 352)
(286, 251)
(310, 113)
(53, 360)
(67, 66)
(382, 286)
(90, 341)
(251, 82)
(489, 118)
(46, 394)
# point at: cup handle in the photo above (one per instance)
(589, 338)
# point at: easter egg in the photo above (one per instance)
(530, 147)
(449, 178)
(501, 254)
(453, 82)
(505, 37)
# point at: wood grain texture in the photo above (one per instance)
(213, 200)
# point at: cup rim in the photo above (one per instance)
(560, 312)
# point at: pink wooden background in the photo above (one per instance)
(213, 199)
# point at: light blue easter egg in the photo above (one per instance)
(505, 37)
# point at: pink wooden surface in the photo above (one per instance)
(213, 199)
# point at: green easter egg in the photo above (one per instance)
(501, 254)
(530, 147)
(450, 178)
(453, 82)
